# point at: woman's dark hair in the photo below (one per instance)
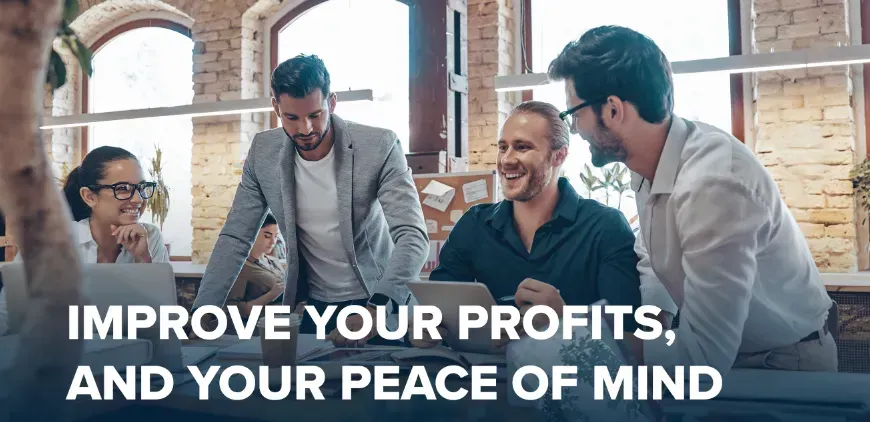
(613, 60)
(300, 76)
(91, 170)
(270, 220)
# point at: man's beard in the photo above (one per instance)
(314, 146)
(538, 177)
(605, 147)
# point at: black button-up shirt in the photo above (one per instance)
(586, 251)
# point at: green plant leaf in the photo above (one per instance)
(56, 76)
(70, 10)
(81, 52)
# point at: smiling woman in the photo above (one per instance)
(144, 68)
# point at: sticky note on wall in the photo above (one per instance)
(431, 226)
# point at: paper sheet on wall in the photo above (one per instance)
(440, 203)
(474, 191)
(437, 188)
(455, 215)
(431, 226)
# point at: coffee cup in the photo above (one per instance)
(280, 351)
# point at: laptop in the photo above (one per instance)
(105, 285)
(448, 297)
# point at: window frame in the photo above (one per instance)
(95, 47)
(735, 42)
(429, 72)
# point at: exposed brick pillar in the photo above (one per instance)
(491, 27)
(217, 140)
(61, 143)
(805, 131)
(228, 59)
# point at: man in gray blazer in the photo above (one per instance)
(344, 199)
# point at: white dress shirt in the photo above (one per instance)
(86, 246)
(718, 241)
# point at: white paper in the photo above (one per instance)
(455, 215)
(431, 226)
(440, 203)
(437, 188)
(447, 228)
(475, 191)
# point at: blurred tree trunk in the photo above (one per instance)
(36, 215)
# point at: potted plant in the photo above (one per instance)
(860, 176)
(158, 204)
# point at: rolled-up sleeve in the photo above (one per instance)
(721, 225)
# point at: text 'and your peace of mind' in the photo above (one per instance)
(125, 321)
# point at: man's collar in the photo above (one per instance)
(669, 162)
(569, 201)
(566, 207)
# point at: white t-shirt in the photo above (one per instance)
(330, 276)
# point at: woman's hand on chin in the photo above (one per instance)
(134, 238)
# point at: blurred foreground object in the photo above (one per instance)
(34, 209)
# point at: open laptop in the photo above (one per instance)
(448, 297)
(105, 285)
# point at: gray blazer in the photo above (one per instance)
(382, 226)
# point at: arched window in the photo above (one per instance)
(347, 55)
(148, 64)
(683, 29)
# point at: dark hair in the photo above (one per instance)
(559, 133)
(270, 220)
(300, 76)
(91, 170)
(613, 60)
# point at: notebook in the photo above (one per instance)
(251, 349)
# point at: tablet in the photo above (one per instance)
(448, 296)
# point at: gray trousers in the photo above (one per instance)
(812, 355)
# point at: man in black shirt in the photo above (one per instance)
(544, 243)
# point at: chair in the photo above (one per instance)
(834, 320)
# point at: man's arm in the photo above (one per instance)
(455, 257)
(720, 224)
(618, 279)
(234, 242)
(404, 214)
(652, 291)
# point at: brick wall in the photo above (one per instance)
(491, 37)
(227, 55)
(804, 122)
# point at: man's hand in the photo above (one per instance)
(206, 323)
(666, 319)
(426, 342)
(134, 238)
(530, 293)
(636, 346)
(354, 323)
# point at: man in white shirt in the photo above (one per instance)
(717, 241)
(344, 199)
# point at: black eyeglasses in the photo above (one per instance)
(124, 191)
(568, 115)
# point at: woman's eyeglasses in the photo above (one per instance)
(124, 191)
